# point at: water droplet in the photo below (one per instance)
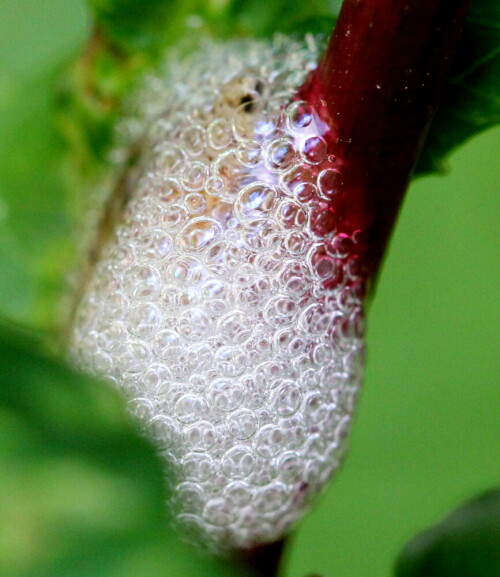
(144, 321)
(234, 327)
(193, 139)
(269, 440)
(291, 214)
(255, 200)
(299, 115)
(219, 512)
(242, 424)
(172, 216)
(142, 282)
(329, 183)
(287, 399)
(238, 462)
(249, 153)
(200, 436)
(323, 220)
(156, 377)
(219, 133)
(305, 192)
(291, 464)
(270, 498)
(194, 176)
(170, 159)
(190, 408)
(226, 395)
(314, 150)
(238, 494)
(194, 324)
(166, 344)
(280, 154)
(155, 244)
(199, 234)
(198, 467)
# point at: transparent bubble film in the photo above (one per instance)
(226, 305)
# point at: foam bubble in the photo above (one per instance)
(227, 305)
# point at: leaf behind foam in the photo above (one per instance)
(464, 544)
(471, 100)
(82, 493)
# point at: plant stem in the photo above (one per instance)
(377, 89)
(265, 560)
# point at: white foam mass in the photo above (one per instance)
(225, 308)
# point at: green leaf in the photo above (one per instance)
(471, 101)
(36, 209)
(138, 26)
(257, 18)
(465, 544)
(81, 492)
(35, 228)
(129, 23)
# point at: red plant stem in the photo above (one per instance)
(264, 561)
(377, 89)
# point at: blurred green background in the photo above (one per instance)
(427, 432)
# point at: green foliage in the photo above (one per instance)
(465, 544)
(34, 219)
(263, 19)
(81, 492)
(471, 102)
(139, 26)
(134, 25)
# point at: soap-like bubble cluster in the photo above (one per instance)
(227, 305)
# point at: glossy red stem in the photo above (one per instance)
(377, 89)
